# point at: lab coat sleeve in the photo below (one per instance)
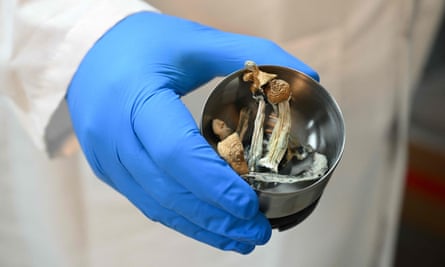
(42, 42)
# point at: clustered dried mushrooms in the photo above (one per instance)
(277, 93)
(264, 87)
(270, 143)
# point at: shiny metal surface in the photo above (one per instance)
(316, 120)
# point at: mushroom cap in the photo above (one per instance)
(277, 91)
(231, 149)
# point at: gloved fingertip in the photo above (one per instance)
(314, 75)
(310, 72)
(261, 230)
(237, 197)
(249, 207)
(264, 236)
(237, 246)
(244, 249)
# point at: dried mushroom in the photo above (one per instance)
(231, 149)
(221, 129)
(278, 92)
(270, 148)
(257, 77)
(243, 122)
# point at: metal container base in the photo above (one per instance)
(288, 222)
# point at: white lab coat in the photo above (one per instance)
(369, 55)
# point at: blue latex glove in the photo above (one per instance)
(139, 138)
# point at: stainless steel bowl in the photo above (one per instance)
(316, 120)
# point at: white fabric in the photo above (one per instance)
(42, 44)
(56, 213)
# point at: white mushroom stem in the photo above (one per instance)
(256, 145)
(279, 139)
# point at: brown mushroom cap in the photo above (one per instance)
(277, 91)
(231, 149)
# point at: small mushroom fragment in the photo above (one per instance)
(243, 122)
(294, 149)
(257, 77)
(221, 129)
(231, 149)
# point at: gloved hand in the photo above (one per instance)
(138, 137)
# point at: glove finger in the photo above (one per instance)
(150, 208)
(176, 146)
(214, 52)
(173, 196)
(219, 53)
(189, 54)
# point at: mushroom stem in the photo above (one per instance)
(243, 122)
(279, 139)
(256, 145)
